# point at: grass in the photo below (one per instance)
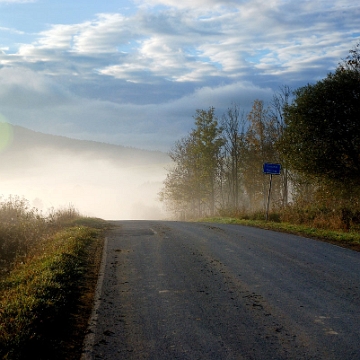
(347, 239)
(46, 296)
(38, 296)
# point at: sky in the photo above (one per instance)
(133, 72)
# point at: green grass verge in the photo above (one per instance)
(37, 297)
(349, 240)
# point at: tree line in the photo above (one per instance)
(313, 132)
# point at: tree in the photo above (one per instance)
(260, 149)
(181, 187)
(233, 123)
(322, 134)
(279, 102)
(190, 185)
(207, 146)
(352, 61)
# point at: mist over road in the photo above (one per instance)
(173, 290)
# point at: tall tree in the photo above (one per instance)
(279, 102)
(181, 191)
(322, 136)
(233, 123)
(260, 149)
(208, 143)
(190, 186)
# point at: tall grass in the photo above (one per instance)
(310, 215)
(36, 298)
(44, 260)
(23, 229)
(337, 225)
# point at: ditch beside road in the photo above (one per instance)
(174, 290)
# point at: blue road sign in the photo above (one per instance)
(273, 169)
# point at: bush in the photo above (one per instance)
(322, 217)
(275, 217)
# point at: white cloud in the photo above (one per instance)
(104, 35)
(11, 30)
(176, 45)
(49, 108)
(23, 88)
(187, 3)
(129, 78)
(179, 45)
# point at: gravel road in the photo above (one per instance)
(174, 290)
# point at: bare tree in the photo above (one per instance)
(280, 100)
(233, 123)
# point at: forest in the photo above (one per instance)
(312, 131)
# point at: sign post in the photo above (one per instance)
(271, 169)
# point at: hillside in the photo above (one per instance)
(25, 141)
(104, 180)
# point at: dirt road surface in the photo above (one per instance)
(174, 290)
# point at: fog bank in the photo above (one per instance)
(102, 181)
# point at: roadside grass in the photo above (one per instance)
(346, 239)
(46, 295)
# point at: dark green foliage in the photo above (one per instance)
(322, 137)
(352, 61)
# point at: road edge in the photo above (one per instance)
(89, 340)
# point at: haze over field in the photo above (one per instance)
(102, 180)
(133, 72)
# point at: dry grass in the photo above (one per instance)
(347, 239)
(333, 221)
(23, 229)
(336, 217)
(47, 266)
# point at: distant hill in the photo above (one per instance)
(99, 179)
(25, 140)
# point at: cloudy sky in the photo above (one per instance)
(133, 72)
